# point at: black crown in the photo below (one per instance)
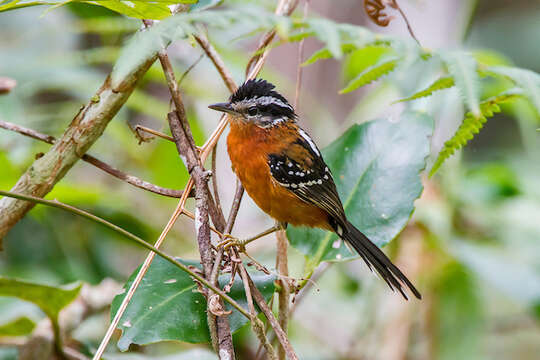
(256, 88)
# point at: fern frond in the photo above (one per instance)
(439, 84)
(463, 69)
(527, 80)
(371, 74)
(325, 53)
(471, 125)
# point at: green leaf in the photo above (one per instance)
(325, 53)
(471, 125)
(494, 266)
(527, 80)
(193, 354)
(328, 33)
(204, 4)
(376, 168)
(458, 315)
(167, 306)
(18, 327)
(50, 299)
(439, 84)
(145, 44)
(141, 9)
(372, 73)
(463, 69)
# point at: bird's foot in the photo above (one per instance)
(230, 241)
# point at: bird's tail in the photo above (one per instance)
(375, 258)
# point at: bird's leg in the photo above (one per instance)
(241, 244)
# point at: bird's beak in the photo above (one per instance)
(224, 107)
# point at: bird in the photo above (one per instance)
(283, 171)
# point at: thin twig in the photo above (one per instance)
(217, 61)
(256, 324)
(284, 291)
(214, 180)
(130, 179)
(282, 337)
(134, 238)
(300, 61)
(188, 70)
(406, 22)
(139, 128)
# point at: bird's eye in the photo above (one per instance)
(252, 111)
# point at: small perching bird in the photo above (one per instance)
(283, 171)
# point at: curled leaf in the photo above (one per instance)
(374, 9)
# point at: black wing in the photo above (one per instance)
(302, 170)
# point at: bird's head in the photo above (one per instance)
(256, 102)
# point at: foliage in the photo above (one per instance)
(50, 299)
(377, 182)
(168, 306)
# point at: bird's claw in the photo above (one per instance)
(230, 241)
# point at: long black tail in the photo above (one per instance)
(375, 258)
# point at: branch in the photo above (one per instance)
(130, 236)
(217, 61)
(282, 337)
(130, 179)
(86, 127)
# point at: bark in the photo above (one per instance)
(81, 134)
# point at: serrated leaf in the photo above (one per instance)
(463, 69)
(470, 126)
(325, 53)
(376, 167)
(371, 74)
(167, 306)
(439, 84)
(193, 354)
(50, 299)
(527, 80)
(328, 33)
(17, 327)
(144, 45)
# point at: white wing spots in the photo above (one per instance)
(309, 141)
(290, 164)
(291, 172)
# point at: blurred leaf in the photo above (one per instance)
(201, 5)
(463, 69)
(439, 84)
(515, 279)
(372, 73)
(167, 306)
(471, 125)
(18, 327)
(141, 9)
(458, 315)
(325, 53)
(50, 299)
(194, 354)
(376, 167)
(328, 33)
(362, 58)
(527, 80)
(488, 57)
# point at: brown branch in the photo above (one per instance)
(284, 291)
(86, 127)
(375, 11)
(217, 61)
(215, 182)
(139, 128)
(130, 179)
(281, 335)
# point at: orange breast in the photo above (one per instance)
(248, 147)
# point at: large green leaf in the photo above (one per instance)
(194, 354)
(167, 306)
(384, 66)
(376, 167)
(439, 84)
(51, 299)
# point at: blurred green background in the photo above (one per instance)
(473, 244)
